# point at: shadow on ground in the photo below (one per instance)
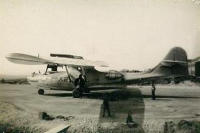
(59, 94)
(120, 94)
(159, 96)
(121, 102)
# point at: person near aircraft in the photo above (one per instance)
(106, 106)
(80, 83)
(153, 89)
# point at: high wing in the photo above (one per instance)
(34, 60)
(175, 64)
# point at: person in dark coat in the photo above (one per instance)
(106, 106)
(80, 83)
(153, 89)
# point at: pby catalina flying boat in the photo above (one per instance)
(79, 75)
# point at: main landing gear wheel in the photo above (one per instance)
(41, 92)
(76, 93)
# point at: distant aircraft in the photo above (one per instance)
(80, 75)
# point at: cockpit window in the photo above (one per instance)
(54, 69)
(61, 69)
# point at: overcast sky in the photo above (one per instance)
(132, 34)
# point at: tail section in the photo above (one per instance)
(176, 55)
(174, 64)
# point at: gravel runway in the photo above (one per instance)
(20, 104)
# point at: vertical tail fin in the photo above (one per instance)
(175, 63)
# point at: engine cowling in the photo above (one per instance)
(112, 75)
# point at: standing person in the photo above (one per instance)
(80, 83)
(153, 89)
(106, 106)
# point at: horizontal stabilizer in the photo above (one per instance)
(195, 59)
(174, 63)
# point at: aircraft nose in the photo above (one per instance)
(8, 56)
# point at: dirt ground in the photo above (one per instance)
(20, 106)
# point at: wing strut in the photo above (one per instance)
(66, 67)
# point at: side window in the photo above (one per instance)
(51, 69)
(61, 69)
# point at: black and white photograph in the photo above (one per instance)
(99, 66)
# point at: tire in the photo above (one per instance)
(76, 93)
(41, 92)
